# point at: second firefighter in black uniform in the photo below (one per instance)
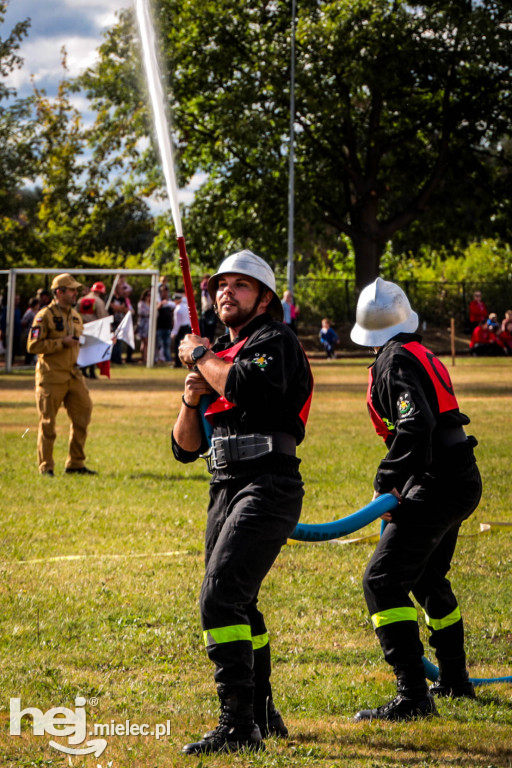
(431, 468)
(262, 386)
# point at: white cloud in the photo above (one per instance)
(78, 25)
(43, 61)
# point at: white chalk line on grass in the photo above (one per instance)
(484, 528)
(64, 558)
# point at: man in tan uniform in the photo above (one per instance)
(55, 338)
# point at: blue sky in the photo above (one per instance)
(76, 24)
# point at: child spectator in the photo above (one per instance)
(484, 341)
(328, 337)
(492, 322)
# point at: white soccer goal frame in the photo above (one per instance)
(11, 299)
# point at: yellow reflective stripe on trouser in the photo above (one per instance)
(394, 614)
(258, 641)
(446, 621)
(233, 633)
(227, 634)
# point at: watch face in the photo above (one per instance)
(197, 353)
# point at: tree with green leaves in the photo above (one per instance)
(84, 217)
(403, 111)
(16, 154)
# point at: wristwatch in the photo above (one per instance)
(198, 352)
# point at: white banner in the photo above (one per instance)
(96, 342)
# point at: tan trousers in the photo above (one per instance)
(49, 397)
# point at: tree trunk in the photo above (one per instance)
(368, 251)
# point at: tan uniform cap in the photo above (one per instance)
(65, 281)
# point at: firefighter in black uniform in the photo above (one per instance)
(431, 469)
(261, 382)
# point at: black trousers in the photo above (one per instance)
(249, 520)
(414, 556)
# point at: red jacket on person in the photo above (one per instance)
(477, 311)
(482, 335)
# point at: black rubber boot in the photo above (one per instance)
(453, 680)
(236, 730)
(265, 713)
(413, 699)
(269, 720)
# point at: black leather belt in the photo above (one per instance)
(233, 448)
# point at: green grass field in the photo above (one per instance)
(100, 578)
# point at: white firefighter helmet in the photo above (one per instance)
(247, 263)
(383, 310)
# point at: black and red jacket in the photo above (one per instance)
(413, 407)
(268, 389)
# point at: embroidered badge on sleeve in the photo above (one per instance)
(405, 405)
(262, 360)
(35, 332)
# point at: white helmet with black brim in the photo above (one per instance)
(247, 263)
(383, 311)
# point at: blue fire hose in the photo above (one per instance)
(349, 524)
(432, 673)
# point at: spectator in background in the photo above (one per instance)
(328, 337)
(124, 286)
(142, 327)
(164, 323)
(505, 338)
(119, 306)
(44, 297)
(163, 283)
(206, 302)
(26, 324)
(290, 311)
(477, 310)
(484, 342)
(181, 325)
(16, 336)
(492, 322)
(208, 319)
(92, 305)
(507, 319)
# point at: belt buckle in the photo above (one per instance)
(208, 459)
(216, 454)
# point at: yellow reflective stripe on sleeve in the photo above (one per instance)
(227, 634)
(258, 641)
(446, 621)
(394, 614)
